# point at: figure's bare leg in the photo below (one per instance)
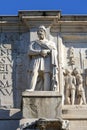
(72, 96)
(46, 81)
(67, 96)
(33, 81)
(79, 99)
(28, 78)
(83, 97)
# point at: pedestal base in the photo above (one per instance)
(42, 104)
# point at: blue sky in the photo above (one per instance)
(11, 7)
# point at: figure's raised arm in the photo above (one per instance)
(32, 51)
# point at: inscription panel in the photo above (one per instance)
(6, 66)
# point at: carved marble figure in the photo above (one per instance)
(70, 88)
(80, 89)
(71, 56)
(43, 67)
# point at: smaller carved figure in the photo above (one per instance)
(80, 89)
(71, 56)
(70, 83)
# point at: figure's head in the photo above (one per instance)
(76, 71)
(67, 71)
(41, 32)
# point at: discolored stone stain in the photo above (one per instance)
(57, 109)
(33, 107)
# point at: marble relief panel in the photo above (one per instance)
(75, 57)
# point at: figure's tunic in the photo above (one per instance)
(49, 63)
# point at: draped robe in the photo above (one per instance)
(47, 64)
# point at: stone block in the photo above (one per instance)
(78, 124)
(77, 116)
(74, 112)
(41, 104)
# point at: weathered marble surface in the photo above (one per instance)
(77, 116)
(41, 104)
(13, 49)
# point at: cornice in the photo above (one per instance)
(58, 23)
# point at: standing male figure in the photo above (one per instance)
(80, 89)
(43, 67)
(70, 83)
